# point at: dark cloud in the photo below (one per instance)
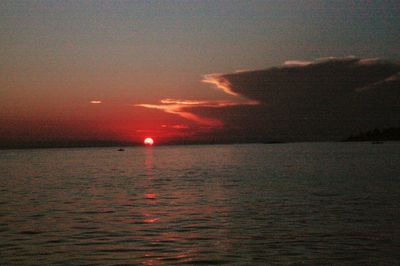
(328, 79)
(326, 99)
(322, 100)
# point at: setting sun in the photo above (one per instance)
(148, 141)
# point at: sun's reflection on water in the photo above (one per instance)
(174, 214)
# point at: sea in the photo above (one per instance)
(248, 204)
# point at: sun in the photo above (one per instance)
(148, 141)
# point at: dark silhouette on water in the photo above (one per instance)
(377, 136)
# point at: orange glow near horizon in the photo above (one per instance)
(148, 141)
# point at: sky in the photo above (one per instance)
(205, 71)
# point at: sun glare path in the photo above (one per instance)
(148, 142)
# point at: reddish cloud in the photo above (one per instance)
(181, 108)
(297, 63)
(221, 83)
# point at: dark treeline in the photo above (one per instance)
(386, 134)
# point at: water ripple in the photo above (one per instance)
(311, 204)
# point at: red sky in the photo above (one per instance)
(150, 65)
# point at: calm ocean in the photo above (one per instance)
(278, 204)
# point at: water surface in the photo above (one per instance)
(281, 204)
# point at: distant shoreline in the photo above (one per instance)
(119, 145)
(124, 145)
(377, 135)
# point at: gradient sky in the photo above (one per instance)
(58, 56)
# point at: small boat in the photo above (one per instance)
(120, 149)
(377, 142)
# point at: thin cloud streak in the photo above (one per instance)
(180, 107)
(177, 109)
(297, 63)
(216, 80)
